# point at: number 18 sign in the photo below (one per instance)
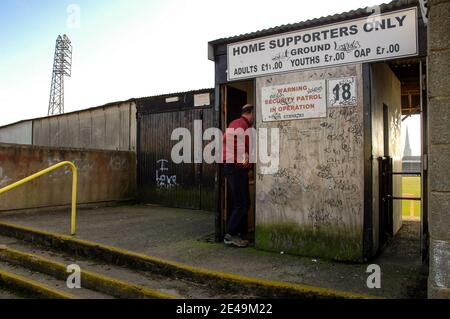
(342, 92)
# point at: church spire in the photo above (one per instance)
(407, 151)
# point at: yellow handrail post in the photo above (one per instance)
(74, 200)
(74, 170)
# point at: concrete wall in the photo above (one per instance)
(103, 176)
(107, 128)
(20, 133)
(439, 147)
(314, 204)
(386, 90)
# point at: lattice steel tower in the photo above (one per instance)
(62, 66)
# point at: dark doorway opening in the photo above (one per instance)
(234, 97)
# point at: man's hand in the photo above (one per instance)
(246, 159)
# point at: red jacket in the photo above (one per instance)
(236, 129)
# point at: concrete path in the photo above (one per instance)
(187, 236)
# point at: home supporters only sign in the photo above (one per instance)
(377, 37)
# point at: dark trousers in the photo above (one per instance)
(240, 199)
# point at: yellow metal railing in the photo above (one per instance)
(46, 171)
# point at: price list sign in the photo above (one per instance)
(378, 37)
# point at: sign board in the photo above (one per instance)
(202, 99)
(377, 37)
(172, 99)
(294, 101)
(342, 92)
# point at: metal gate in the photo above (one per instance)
(387, 197)
(160, 180)
(386, 220)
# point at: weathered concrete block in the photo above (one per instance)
(439, 168)
(439, 24)
(331, 243)
(433, 3)
(439, 278)
(439, 69)
(102, 176)
(439, 119)
(439, 216)
(438, 293)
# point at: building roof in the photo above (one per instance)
(172, 94)
(353, 14)
(110, 104)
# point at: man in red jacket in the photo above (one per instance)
(236, 158)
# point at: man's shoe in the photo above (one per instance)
(235, 241)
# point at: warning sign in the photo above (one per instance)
(294, 101)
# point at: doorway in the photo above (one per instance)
(234, 96)
(400, 86)
(415, 144)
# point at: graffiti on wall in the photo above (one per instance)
(163, 178)
(319, 182)
(117, 163)
(83, 166)
(4, 179)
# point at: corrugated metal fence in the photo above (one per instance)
(160, 181)
(20, 133)
(109, 128)
(112, 127)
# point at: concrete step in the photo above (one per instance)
(8, 294)
(40, 285)
(196, 282)
(115, 280)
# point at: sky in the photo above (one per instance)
(127, 48)
(412, 124)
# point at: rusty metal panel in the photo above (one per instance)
(65, 138)
(73, 129)
(133, 128)
(109, 128)
(20, 133)
(42, 136)
(85, 130)
(124, 126)
(98, 130)
(112, 128)
(36, 132)
(54, 132)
